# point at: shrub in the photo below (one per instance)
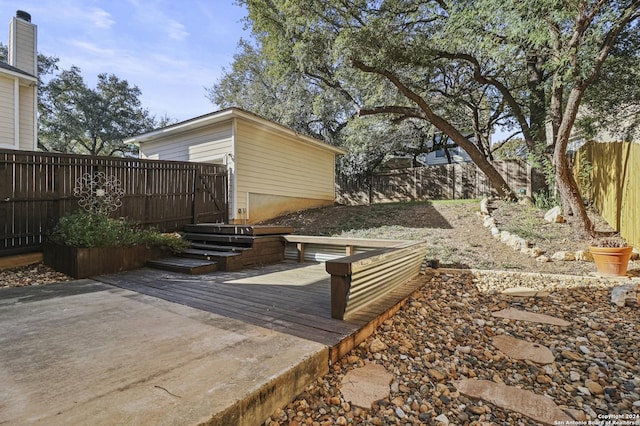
(82, 229)
(545, 199)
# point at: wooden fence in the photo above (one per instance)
(443, 182)
(36, 189)
(615, 183)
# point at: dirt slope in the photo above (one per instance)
(454, 232)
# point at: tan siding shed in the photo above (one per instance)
(200, 145)
(272, 169)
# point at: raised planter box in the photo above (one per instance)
(88, 262)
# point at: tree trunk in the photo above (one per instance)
(566, 183)
(537, 102)
(496, 179)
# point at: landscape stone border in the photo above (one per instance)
(525, 247)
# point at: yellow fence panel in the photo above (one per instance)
(615, 187)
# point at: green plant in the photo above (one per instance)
(173, 241)
(528, 228)
(84, 229)
(584, 177)
(545, 199)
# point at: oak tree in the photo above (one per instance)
(460, 65)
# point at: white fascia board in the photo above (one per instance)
(223, 115)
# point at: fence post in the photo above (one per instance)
(197, 183)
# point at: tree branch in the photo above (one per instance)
(404, 111)
(506, 93)
(444, 126)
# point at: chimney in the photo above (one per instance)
(23, 53)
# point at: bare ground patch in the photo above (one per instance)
(454, 232)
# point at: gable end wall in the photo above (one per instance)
(203, 145)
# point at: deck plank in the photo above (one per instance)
(288, 297)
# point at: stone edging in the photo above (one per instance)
(525, 247)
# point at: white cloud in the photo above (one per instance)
(176, 30)
(93, 48)
(100, 18)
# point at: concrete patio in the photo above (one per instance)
(86, 352)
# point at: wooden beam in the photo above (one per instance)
(300, 248)
(334, 241)
(19, 260)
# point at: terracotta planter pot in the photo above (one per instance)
(89, 262)
(612, 261)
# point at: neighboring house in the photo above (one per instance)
(436, 158)
(19, 87)
(273, 170)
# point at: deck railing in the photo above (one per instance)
(362, 271)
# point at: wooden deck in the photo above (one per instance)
(288, 297)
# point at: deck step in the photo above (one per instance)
(222, 239)
(252, 230)
(207, 254)
(184, 265)
(235, 247)
(205, 246)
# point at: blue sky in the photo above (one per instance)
(171, 50)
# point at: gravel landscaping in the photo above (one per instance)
(36, 274)
(444, 334)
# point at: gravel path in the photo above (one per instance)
(444, 334)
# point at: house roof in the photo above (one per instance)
(224, 115)
(16, 72)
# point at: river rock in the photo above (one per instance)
(484, 206)
(584, 256)
(488, 222)
(554, 215)
(625, 295)
(563, 256)
(377, 345)
(594, 387)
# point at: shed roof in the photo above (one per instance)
(224, 115)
